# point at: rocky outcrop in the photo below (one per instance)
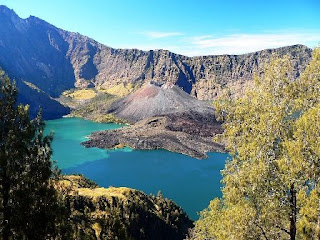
(55, 60)
(188, 133)
(118, 213)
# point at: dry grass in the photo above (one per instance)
(79, 186)
(119, 90)
(73, 186)
(95, 210)
(82, 94)
(110, 192)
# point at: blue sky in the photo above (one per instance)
(189, 27)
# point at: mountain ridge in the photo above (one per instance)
(55, 60)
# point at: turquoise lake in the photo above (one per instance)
(191, 183)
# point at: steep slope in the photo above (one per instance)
(214, 73)
(25, 57)
(34, 51)
(203, 77)
(37, 99)
(119, 213)
(55, 60)
(158, 99)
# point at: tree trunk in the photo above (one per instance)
(293, 214)
(6, 207)
(318, 227)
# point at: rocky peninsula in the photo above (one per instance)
(163, 116)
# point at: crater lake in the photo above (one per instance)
(190, 182)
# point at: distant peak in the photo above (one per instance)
(5, 10)
(3, 7)
(35, 19)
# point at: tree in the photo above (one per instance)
(271, 184)
(28, 201)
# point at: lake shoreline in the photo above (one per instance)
(176, 133)
(187, 181)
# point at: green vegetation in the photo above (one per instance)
(29, 205)
(106, 118)
(271, 184)
(120, 213)
(93, 108)
(92, 104)
(36, 202)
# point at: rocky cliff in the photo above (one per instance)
(55, 60)
(101, 66)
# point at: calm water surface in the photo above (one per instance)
(191, 183)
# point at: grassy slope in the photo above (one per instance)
(120, 213)
(90, 104)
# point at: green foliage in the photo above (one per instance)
(271, 184)
(94, 109)
(120, 213)
(29, 204)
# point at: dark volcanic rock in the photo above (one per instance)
(179, 132)
(55, 60)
